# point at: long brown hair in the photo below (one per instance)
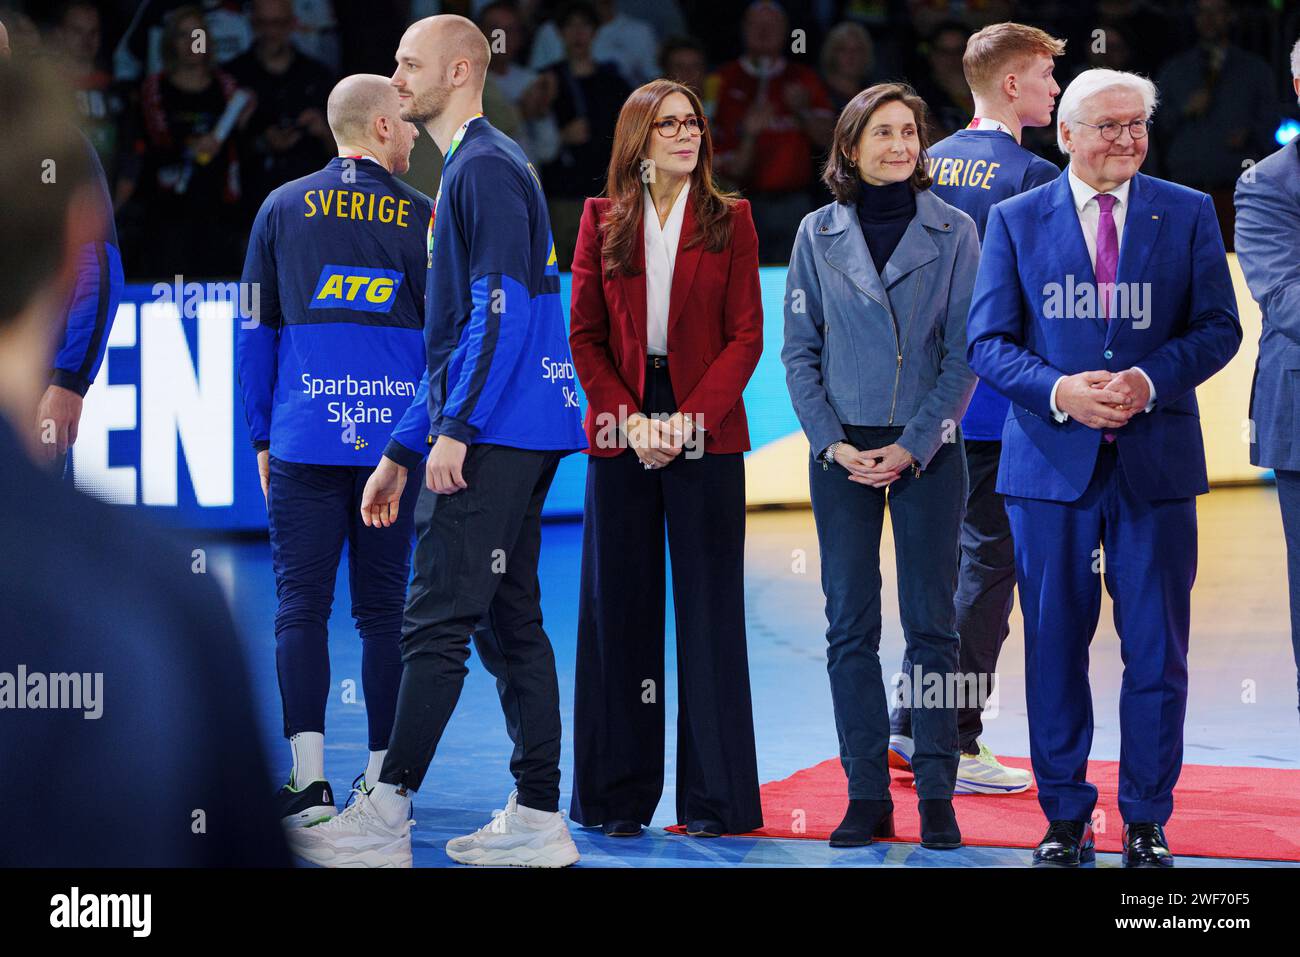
(623, 184)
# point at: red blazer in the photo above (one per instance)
(715, 330)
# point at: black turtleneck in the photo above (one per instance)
(883, 214)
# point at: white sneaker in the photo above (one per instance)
(510, 839)
(900, 752)
(358, 837)
(983, 773)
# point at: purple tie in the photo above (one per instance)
(1107, 261)
(1107, 252)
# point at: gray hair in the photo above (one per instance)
(1295, 60)
(1091, 82)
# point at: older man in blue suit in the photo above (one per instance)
(1102, 300)
(1268, 248)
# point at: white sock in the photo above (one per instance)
(534, 816)
(394, 808)
(308, 757)
(374, 766)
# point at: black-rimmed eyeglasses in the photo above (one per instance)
(670, 126)
(1110, 129)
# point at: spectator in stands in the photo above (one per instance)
(848, 62)
(1220, 109)
(684, 61)
(76, 38)
(628, 43)
(588, 97)
(287, 135)
(181, 182)
(943, 83)
(532, 93)
(772, 116)
(142, 49)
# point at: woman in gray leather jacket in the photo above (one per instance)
(875, 355)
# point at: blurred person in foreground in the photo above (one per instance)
(87, 318)
(122, 687)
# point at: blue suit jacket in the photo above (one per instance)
(1268, 248)
(1034, 247)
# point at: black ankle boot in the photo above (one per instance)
(864, 821)
(938, 824)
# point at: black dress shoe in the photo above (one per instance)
(622, 828)
(704, 827)
(864, 821)
(939, 828)
(1145, 846)
(1066, 844)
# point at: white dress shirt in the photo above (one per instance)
(1089, 212)
(660, 258)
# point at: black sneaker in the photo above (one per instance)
(311, 804)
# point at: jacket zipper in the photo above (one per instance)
(898, 372)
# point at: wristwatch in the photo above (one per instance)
(828, 457)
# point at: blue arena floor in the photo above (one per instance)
(792, 709)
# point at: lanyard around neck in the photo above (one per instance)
(437, 197)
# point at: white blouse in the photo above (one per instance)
(660, 258)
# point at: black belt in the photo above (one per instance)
(656, 362)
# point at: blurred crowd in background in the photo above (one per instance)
(772, 77)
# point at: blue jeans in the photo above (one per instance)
(313, 510)
(926, 514)
(986, 590)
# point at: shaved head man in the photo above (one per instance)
(495, 430)
(339, 258)
(441, 65)
(364, 114)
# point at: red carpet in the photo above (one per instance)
(1218, 811)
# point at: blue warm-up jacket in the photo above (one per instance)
(974, 170)
(94, 300)
(499, 368)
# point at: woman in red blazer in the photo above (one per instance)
(667, 327)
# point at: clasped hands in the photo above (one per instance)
(875, 467)
(657, 441)
(1102, 399)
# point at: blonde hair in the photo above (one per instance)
(1002, 48)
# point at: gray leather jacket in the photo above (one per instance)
(866, 349)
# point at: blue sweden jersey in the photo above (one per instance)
(974, 170)
(337, 354)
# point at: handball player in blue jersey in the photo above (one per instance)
(331, 363)
(1009, 69)
(87, 319)
(500, 407)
